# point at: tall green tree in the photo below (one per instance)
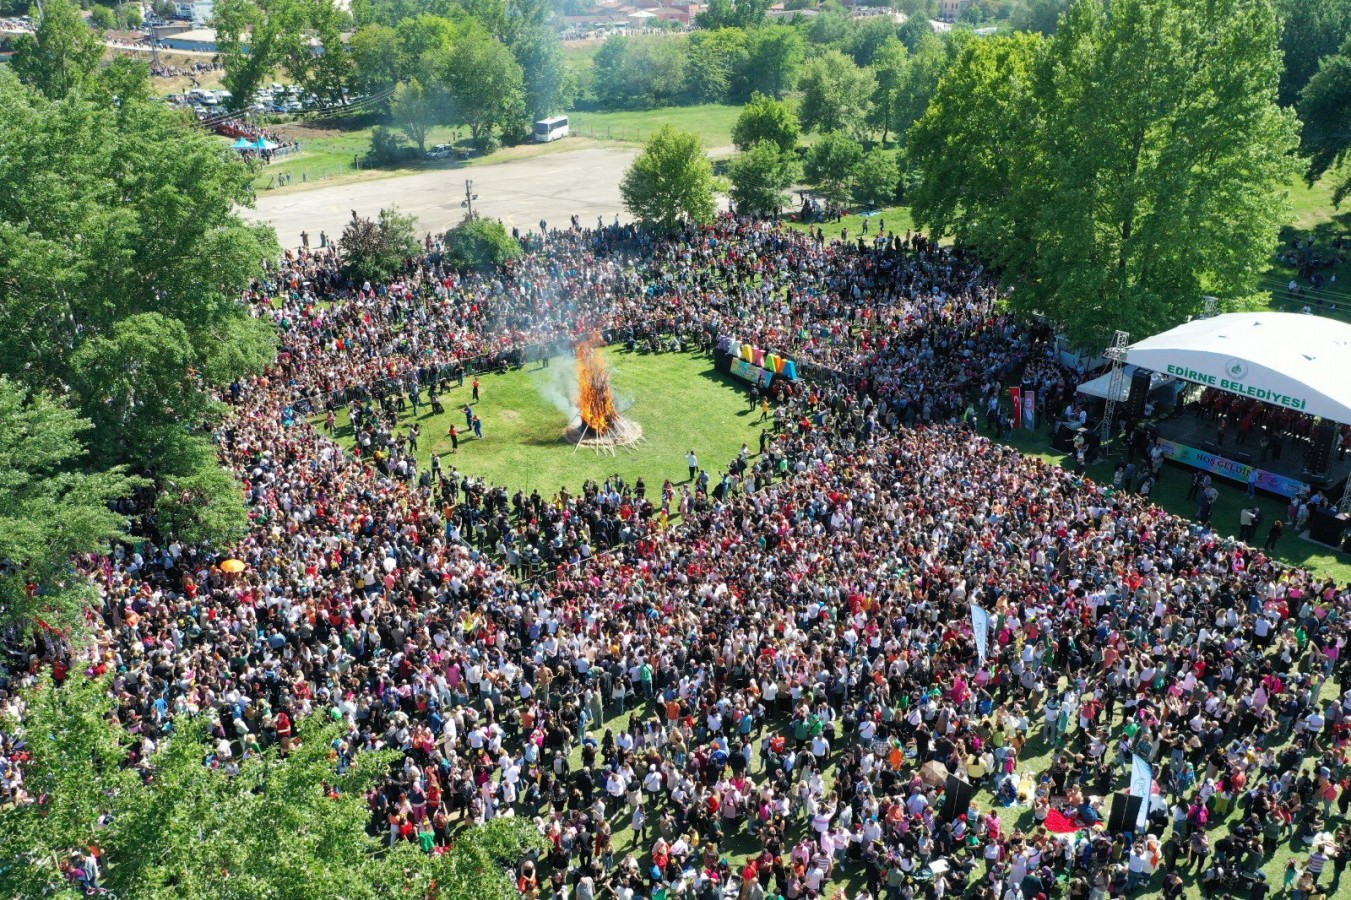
(545, 74)
(50, 511)
(775, 59)
(670, 184)
(287, 827)
(1325, 109)
(766, 119)
(760, 176)
(417, 108)
(480, 244)
(876, 180)
(717, 60)
(485, 84)
(62, 54)
(746, 14)
(890, 61)
(835, 94)
(1309, 32)
(375, 250)
(632, 73)
(1151, 175)
(121, 283)
(832, 163)
(974, 141)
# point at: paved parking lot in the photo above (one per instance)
(520, 193)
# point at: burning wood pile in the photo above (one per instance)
(602, 427)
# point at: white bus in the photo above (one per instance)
(547, 130)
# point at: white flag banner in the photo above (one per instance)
(980, 627)
(1142, 786)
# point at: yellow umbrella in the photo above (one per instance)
(232, 566)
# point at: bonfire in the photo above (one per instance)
(602, 426)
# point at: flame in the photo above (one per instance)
(594, 397)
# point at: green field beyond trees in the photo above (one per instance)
(680, 401)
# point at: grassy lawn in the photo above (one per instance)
(896, 218)
(680, 401)
(711, 121)
(1313, 215)
(1170, 492)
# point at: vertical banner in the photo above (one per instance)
(1142, 786)
(980, 628)
(1016, 393)
(1029, 409)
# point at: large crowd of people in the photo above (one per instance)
(754, 683)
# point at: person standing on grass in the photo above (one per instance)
(1274, 535)
(693, 462)
(454, 435)
(475, 388)
(478, 427)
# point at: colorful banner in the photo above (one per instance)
(753, 374)
(1229, 468)
(980, 627)
(1142, 786)
(1029, 409)
(1016, 394)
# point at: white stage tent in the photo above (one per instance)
(1297, 361)
(1101, 387)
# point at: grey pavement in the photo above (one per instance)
(521, 192)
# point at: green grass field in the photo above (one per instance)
(711, 121)
(896, 218)
(680, 401)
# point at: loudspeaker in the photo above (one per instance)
(1135, 400)
(1320, 452)
(1125, 811)
(957, 796)
(1064, 438)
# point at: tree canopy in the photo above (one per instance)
(120, 282)
(480, 244)
(766, 119)
(760, 175)
(671, 182)
(375, 250)
(200, 827)
(1114, 200)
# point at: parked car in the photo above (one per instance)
(441, 151)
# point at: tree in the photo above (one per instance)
(889, 74)
(776, 53)
(744, 14)
(1309, 32)
(876, 180)
(915, 32)
(629, 73)
(485, 84)
(61, 54)
(760, 176)
(121, 283)
(375, 58)
(869, 37)
(251, 39)
(325, 68)
(976, 136)
(717, 60)
(1325, 109)
(831, 163)
(540, 55)
(670, 183)
(766, 119)
(480, 244)
(376, 250)
(178, 834)
(1040, 16)
(103, 18)
(1125, 199)
(416, 109)
(835, 94)
(50, 511)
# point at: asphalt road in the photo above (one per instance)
(552, 187)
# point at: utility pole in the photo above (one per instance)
(469, 198)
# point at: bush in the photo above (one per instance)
(388, 148)
(480, 244)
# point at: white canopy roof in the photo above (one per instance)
(1296, 361)
(1102, 385)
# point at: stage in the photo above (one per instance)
(1195, 441)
